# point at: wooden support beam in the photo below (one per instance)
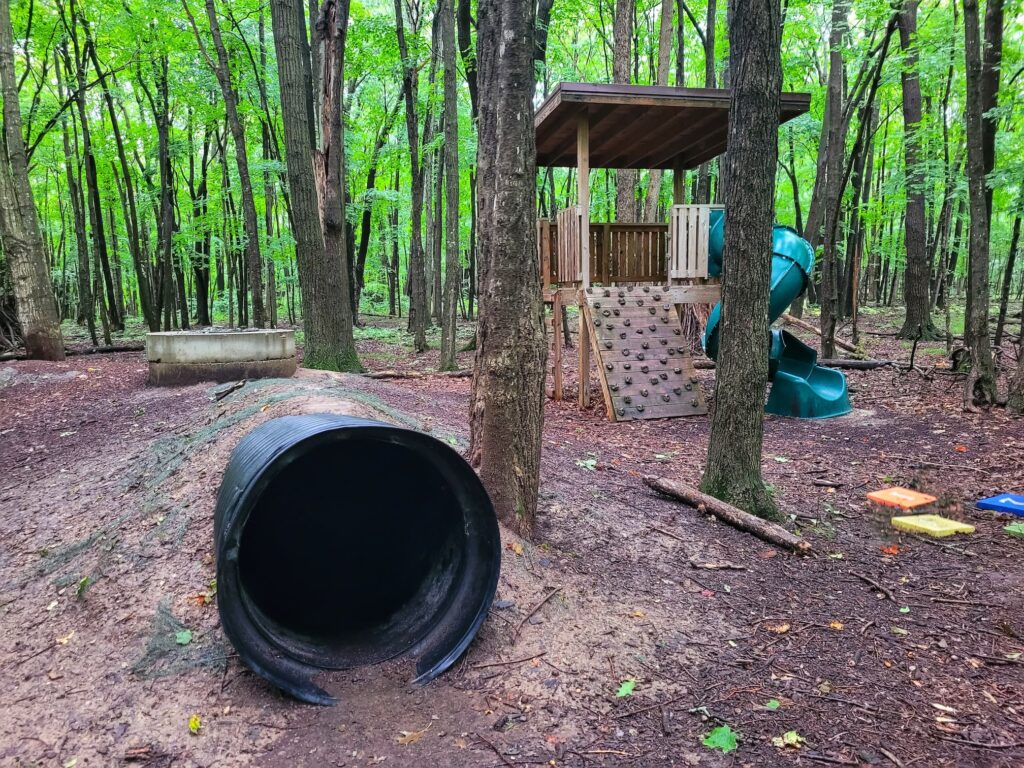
(556, 322)
(583, 192)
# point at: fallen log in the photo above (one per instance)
(744, 521)
(88, 351)
(462, 374)
(790, 320)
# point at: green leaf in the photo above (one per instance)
(723, 737)
(905, 609)
(626, 688)
(772, 704)
(782, 459)
(788, 739)
(194, 724)
(1015, 529)
(184, 637)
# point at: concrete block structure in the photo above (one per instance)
(187, 357)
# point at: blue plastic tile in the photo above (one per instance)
(1010, 503)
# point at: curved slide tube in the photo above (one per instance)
(800, 387)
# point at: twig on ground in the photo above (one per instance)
(508, 663)
(673, 700)
(875, 584)
(496, 751)
(536, 607)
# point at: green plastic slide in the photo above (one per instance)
(800, 387)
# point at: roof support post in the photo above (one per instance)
(583, 192)
(678, 182)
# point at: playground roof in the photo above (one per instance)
(641, 126)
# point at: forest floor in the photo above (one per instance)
(880, 649)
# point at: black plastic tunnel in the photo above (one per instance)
(343, 542)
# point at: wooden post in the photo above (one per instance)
(583, 196)
(556, 322)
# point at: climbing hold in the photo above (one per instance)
(607, 345)
(626, 322)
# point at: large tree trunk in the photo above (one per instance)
(19, 227)
(222, 68)
(622, 30)
(507, 402)
(980, 387)
(331, 29)
(319, 271)
(733, 471)
(918, 321)
(419, 315)
(453, 263)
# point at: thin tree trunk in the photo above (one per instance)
(664, 56)
(625, 178)
(1011, 262)
(918, 321)
(506, 411)
(980, 387)
(19, 225)
(418, 310)
(733, 472)
(704, 172)
(453, 263)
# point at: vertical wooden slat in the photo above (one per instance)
(583, 191)
(557, 323)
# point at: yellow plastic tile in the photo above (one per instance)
(931, 525)
(904, 498)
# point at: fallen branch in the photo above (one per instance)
(73, 352)
(461, 374)
(508, 663)
(717, 566)
(744, 521)
(790, 320)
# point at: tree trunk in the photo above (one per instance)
(418, 310)
(453, 262)
(918, 321)
(1011, 262)
(222, 68)
(19, 227)
(507, 402)
(829, 298)
(980, 387)
(733, 472)
(664, 56)
(331, 29)
(704, 172)
(320, 271)
(622, 30)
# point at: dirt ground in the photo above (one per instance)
(880, 649)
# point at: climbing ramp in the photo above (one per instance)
(646, 370)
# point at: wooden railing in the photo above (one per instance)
(619, 253)
(688, 232)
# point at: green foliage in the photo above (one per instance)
(722, 738)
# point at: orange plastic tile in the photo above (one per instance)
(904, 498)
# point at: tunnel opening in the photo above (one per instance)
(350, 553)
(343, 542)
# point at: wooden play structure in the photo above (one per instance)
(629, 279)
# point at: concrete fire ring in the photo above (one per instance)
(187, 357)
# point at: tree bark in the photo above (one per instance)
(453, 262)
(319, 270)
(980, 387)
(19, 227)
(918, 320)
(829, 297)
(1011, 262)
(664, 57)
(419, 314)
(733, 472)
(331, 30)
(625, 178)
(507, 401)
